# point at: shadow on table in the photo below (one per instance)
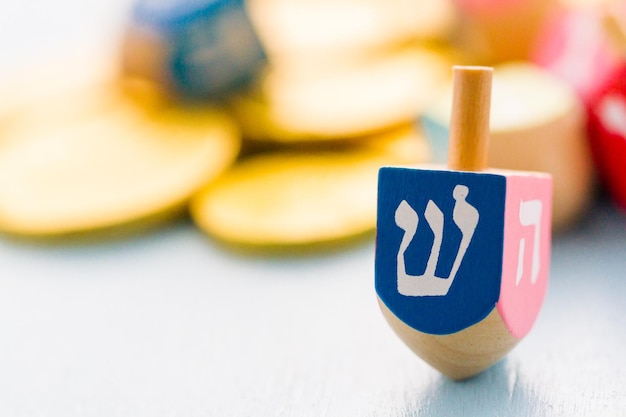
(496, 392)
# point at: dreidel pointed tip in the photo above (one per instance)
(462, 355)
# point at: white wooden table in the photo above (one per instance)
(171, 324)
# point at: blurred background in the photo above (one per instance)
(267, 120)
(161, 162)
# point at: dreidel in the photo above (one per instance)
(200, 49)
(463, 252)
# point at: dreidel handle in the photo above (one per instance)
(469, 122)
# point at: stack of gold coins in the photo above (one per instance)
(266, 120)
(83, 150)
(345, 84)
(98, 147)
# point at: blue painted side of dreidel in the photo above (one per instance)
(439, 246)
(212, 47)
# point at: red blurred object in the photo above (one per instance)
(607, 134)
(586, 48)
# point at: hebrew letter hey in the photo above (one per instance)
(530, 215)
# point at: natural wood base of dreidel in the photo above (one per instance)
(459, 355)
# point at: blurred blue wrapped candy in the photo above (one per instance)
(194, 48)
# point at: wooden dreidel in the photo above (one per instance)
(198, 49)
(463, 253)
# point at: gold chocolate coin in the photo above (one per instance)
(337, 28)
(296, 199)
(347, 102)
(127, 162)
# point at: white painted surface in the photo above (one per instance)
(169, 324)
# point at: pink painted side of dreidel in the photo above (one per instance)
(526, 257)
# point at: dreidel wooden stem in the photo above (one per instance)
(498, 204)
(469, 122)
